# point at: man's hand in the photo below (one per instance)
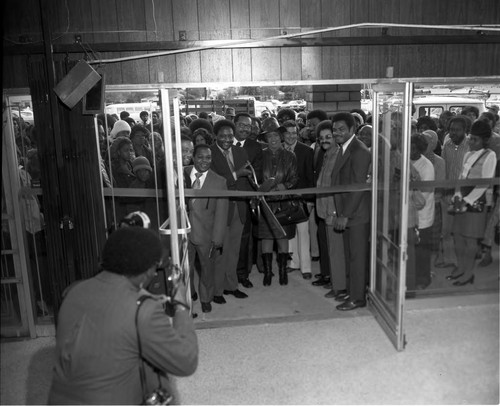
(243, 171)
(214, 247)
(340, 223)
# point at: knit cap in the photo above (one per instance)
(141, 162)
(120, 125)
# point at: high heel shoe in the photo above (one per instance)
(470, 280)
(452, 277)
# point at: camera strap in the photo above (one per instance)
(142, 372)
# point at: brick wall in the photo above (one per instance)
(333, 98)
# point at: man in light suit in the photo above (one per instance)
(299, 246)
(230, 162)
(353, 208)
(208, 218)
(243, 123)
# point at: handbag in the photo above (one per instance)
(260, 208)
(292, 211)
(478, 206)
(159, 396)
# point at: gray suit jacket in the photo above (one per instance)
(208, 216)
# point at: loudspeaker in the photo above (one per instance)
(76, 83)
(93, 101)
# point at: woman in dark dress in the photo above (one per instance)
(279, 168)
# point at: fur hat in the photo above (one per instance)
(120, 125)
(141, 162)
(269, 124)
(131, 251)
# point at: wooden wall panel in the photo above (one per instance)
(336, 62)
(166, 65)
(188, 67)
(264, 18)
(266, 64)
(185, 18)
(312, 63)
(240, 19)
(310, 18)
(310, 14)
(360, 61)
(360, 13)
(104, 20)
(242, 59)
(159, 23)
(380, 58)
(291, 58)
(216, 65)
(214, 19)
(21, 18)
(335, 13)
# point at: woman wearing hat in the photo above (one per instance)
(122, 155)
(470, 221)
(279, 169)
(102, 319)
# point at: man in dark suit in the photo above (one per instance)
(299, 246)
(243, 123)
(208, 218)
(231, 163)
(353, 208)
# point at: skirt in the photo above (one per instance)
(470, 224)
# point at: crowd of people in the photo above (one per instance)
(295, 150)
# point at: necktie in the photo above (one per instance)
(341, 150)
(197, 182)
(230, 163)
(238, 144)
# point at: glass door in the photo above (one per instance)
(389, 237)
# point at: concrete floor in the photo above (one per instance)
(306, 352)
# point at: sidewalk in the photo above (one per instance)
(452, 357)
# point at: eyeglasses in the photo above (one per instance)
(244, 126)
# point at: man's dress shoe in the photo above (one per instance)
(321, 281)
(306, 275)
(331, 294)
(206, 307)
(342, 297)
(246, 283)
(236, 293)
(318, 275)
(351, 304)
(219, 299)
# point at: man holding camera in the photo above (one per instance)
(103, 319)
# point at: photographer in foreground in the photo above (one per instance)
(101, 319)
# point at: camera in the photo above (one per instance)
(159, 396)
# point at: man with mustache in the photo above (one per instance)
(331, 243)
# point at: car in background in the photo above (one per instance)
(297, 105)
(434, 105)
(26, 115)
